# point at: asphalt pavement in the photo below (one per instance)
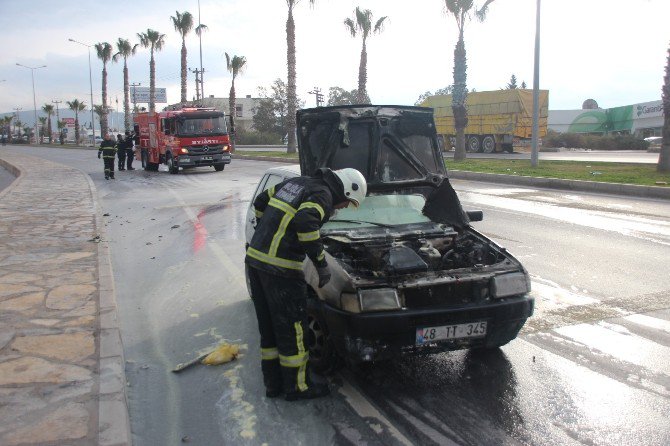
(61, 359)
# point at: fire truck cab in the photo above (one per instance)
(186, 138)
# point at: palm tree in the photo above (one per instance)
(7, 121)
(183, 24)
(49, 110)
(61, 136)
(664, 157)
(461, 11)
(76, 107)
(363, 26)
(235, 65)
(104, 51)
(101, 110)
(43, 125)
(199, 30)
(125, 49)
(291, 95)
(155, 42)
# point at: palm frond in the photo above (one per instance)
(379, 26)
(481, 12)
(351, 26)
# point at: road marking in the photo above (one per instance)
(365, 409)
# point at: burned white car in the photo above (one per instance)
(409, 273)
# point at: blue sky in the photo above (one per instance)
(613, 51)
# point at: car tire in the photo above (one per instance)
(473, 144)
(219, 167)
(488, 144)
(172, 167)
(323, 357)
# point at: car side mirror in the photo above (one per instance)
(475, 215)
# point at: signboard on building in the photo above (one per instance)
(140, 95)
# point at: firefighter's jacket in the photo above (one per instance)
(107, 148)
(290, 216)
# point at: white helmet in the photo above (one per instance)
(355, 186)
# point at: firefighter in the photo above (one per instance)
(108, 151)
(289, 217)
(121, 149)
(130, 151)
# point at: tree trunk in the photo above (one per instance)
(459, 95)
(104, 128)
(233, 112)
(49, 128)
(152, 83)
(184, 72)
(126, 96)
(664, 157)
(76, 128)
(291, 87)
(362, 75)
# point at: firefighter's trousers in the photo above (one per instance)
(109, 166)
(130, 156)
(122, 158)
(281, 309)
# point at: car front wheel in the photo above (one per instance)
(323, 357)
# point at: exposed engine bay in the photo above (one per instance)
(387, 253)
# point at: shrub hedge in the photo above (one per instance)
(594, 142)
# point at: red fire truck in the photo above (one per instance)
(186, 138)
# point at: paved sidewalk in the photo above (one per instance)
(61, 361)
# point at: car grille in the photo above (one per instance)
(200, 150)
(446, 295)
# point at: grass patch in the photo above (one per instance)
(268, 154)
(626, 173)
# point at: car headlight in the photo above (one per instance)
(349, 302)
(379, 299)
(509, 285)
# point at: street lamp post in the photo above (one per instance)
(32, 74)
(90, 81)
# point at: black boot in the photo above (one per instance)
(313, 391)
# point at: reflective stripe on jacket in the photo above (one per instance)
(290, 216)
(107, 148)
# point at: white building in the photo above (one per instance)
(244, 108)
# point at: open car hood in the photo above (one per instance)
(393, 146)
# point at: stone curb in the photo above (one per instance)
(551, 183)
(113, 418)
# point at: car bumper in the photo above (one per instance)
(203, 160)
(379, 335)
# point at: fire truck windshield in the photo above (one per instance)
(215, 125)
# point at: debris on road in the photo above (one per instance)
(174, 226)
(95, 239)
(220, 355)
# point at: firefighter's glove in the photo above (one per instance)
(324, 276)
(98, 155)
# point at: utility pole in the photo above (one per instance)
(319, 96)
(202, 70)
(197, 83)
(57, 114)
(133, 85)
(536, 92)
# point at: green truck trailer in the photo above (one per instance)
(497, 120)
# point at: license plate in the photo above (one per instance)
(207, 158)
(427, 335)
(184, 160)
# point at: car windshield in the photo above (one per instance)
(380, 210)
(215, 125)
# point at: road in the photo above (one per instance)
(591, 367)
(621, 156)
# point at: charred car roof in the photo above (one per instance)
(393, 146)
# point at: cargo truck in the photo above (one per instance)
(496, 119)
(186, 138)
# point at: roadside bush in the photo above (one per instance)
(594, 142)
(250, 137)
